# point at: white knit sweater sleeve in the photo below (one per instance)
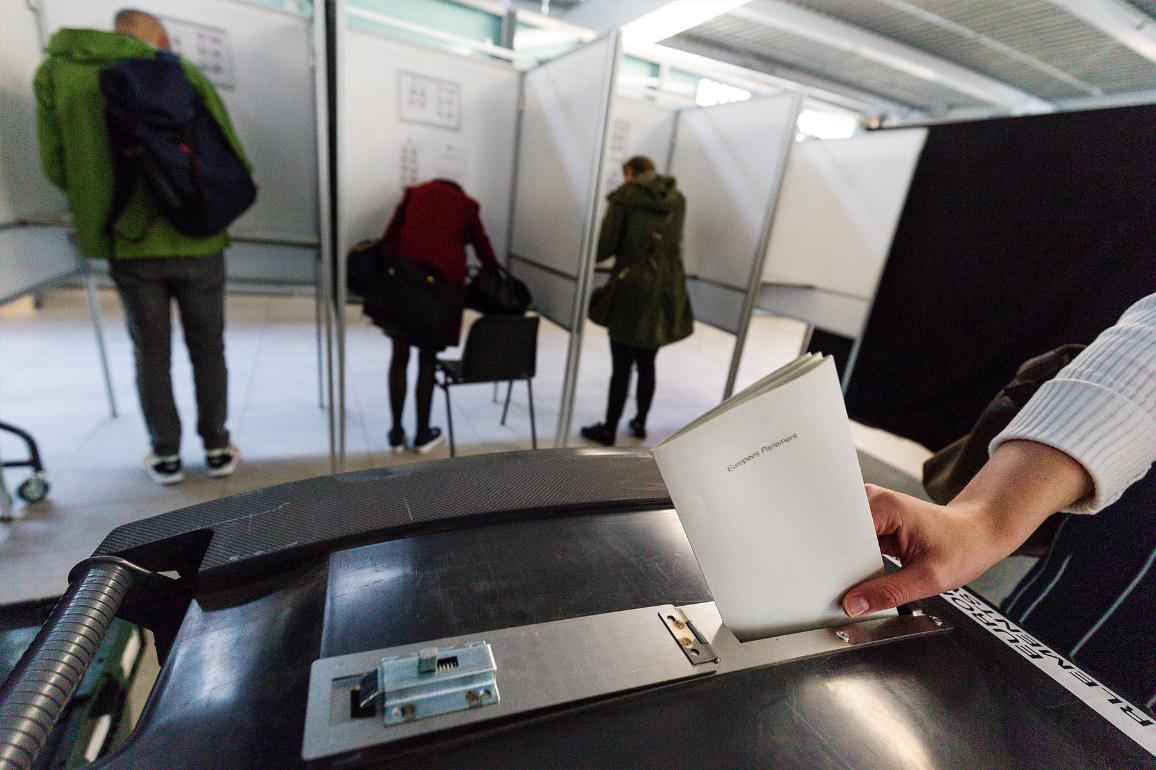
(1101, 408)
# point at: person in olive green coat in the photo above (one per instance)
(644, 305)
(151, 262)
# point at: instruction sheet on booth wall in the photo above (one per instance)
(770, 493)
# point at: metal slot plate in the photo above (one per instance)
(550, 665)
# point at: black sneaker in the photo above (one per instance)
(638, 428)
(164, 469)
(426, 440)
(222, 462)
(396, 440)
(599, 434)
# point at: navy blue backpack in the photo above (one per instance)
(163, 134)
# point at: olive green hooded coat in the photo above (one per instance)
(645, 302)
(76, 156)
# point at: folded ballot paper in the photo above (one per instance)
(769, 491)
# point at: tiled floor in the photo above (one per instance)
(50, 384)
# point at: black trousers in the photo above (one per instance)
(423, 388)
(147, 289)
(624, 358)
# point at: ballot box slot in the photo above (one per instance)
(412, 692)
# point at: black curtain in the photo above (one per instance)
(1018, 235)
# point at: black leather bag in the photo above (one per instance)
(495, 291)
(405, 298)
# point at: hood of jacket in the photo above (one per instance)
(649, 191)
(94, 46)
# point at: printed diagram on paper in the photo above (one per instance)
(616, 152)
(206, 47)
(425, 159)
(432, 101)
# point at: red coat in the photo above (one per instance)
(432, 225)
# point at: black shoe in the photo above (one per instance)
(165, 469)
(396, 440)
(638, 428)
(599, 434)
(425, 440)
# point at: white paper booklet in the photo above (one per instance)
(769, 491)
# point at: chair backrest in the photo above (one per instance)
(501, 348)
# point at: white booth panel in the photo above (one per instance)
(559, 145)
(716, 305)
(267, 86)
(838, 210)
(841, 314)
(727, 160)
(637, 127)
(31, 257)
(385, 147)
(24, 191)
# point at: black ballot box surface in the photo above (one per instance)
(366, 561)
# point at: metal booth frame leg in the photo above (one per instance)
(98, 330)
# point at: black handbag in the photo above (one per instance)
(405, 298)
(493, 290)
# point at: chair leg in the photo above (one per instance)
(533, 430)
(450, 420)
(506, 408)
(494, 398)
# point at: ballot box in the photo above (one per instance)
(545, 608)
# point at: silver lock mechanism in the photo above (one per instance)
(430, 682)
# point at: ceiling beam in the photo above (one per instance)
(1130, 26)
(890, 53)
(849, 97)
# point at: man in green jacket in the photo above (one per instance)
(645, 304)
(151, 263)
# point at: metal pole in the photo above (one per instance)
(318, 289)
(341, 245)
(586, 262)
(97, 329)
(755, 283)
(321, 58)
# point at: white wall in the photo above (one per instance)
(270, 103)
(24, 192)
(840, 205)
(373, 136)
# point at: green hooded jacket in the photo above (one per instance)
(75, 152)
(645, 302)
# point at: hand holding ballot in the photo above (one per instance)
(944, 546)
(768, 488)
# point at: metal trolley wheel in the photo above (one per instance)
(34, 489)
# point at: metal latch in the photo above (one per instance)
(430, 682)
(692, 643)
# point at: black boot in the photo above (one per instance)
(638, 428)
(599, 434)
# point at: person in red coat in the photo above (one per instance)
(432, 225)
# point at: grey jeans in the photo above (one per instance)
(147, 288)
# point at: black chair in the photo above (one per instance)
(498, 349)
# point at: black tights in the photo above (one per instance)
(426, 364)
(624, 357)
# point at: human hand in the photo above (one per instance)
(940, 547)
(944, 546)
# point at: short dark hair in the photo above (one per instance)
(639, 164)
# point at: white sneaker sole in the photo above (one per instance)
(225, 470)
(396, 450)
(429, 447)
(163, 480)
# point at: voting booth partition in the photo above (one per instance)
(836, 219)
(566, 105)
(259, 60)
